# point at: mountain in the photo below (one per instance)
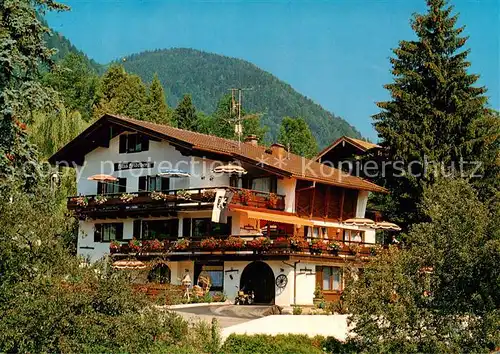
(207, 77)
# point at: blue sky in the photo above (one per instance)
(335, 52)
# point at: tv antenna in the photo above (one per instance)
(236, 108)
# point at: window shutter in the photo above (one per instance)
(186, 227)
(119, 232)
(142, 184)
(274, 184)
(97, 232)
(100, 188)
(319, 276)
(165, 183)
(145, 143)
(122, 185)
(123, 144)
(137, 229)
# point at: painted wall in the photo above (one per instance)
(162, 154)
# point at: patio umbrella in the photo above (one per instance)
(360, 222)
(230, 168)
(387, 226)
(124, 264)
(172, 173)
(102, 178)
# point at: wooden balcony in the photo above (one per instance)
(160, 203)
(239, 247)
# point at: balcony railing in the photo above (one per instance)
(172, 198)
(245, 245)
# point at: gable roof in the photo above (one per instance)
(290, 165)
(360, 144)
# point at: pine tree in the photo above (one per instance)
(121, 93)
(76, 83)
(185, 114)
(157, 109)
(295, 134)
(433, 110)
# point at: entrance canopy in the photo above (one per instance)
(283, 218)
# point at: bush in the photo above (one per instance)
(266, 344)
(297, 310)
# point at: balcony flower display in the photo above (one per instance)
(281, 242)
(114, 247)
(354, 248)
(82, 201)
(152, 246)
(134, 245)
(155, 195)
(183, 194)
(208, 195)
(272, 200)
(335, 246)
(181, 245)
(319, 246)
(209, 243)
(233, 242)
(259, 243)
(100, 199)
(374, 250)
(246, 196)
(127, 197)
(299, 243)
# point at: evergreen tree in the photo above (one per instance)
(439, 294)
(433, 111)
(23, 53)
(157, 109)
(121, 93)
(76, 83)
(185, 114)
(295, 135)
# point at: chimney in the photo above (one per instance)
(278, 150)
(252, 140)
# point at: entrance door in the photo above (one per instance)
(259, 277)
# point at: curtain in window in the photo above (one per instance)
(326, 278)
(261, 184)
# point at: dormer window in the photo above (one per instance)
(133, 142)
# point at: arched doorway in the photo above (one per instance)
(259, 277)
(160, 274)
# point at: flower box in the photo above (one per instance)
(134, 245)
(209, 244)
(114, 247)
(233, 243)
(152, 246)
(259, 243)
(319, 246)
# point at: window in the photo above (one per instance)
(156, 229)
(205, 227)
(265, 184)
(153, 183)
(108, 232)
(130, 143)
(214, 271)
(119, 186)
(330, 278)
(354, 235)
(316, 232)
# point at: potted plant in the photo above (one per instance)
(246, 196)
(234, 243)
(127, 197)
(152, 246)
(354, 248)
(100, 199)
(374, 250)
(281, 242)
(208, 195)
(209, 243)
(82, 201)
(299, 243)
(155, 195)
(114, 246)
(272, 200)
(318, 295)
(334, 247)
(318, 246)
(181, 245)
(259, 243)
(183, 194)
(134, 245)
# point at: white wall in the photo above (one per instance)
(164, 155)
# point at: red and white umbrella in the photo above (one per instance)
(102, 178)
